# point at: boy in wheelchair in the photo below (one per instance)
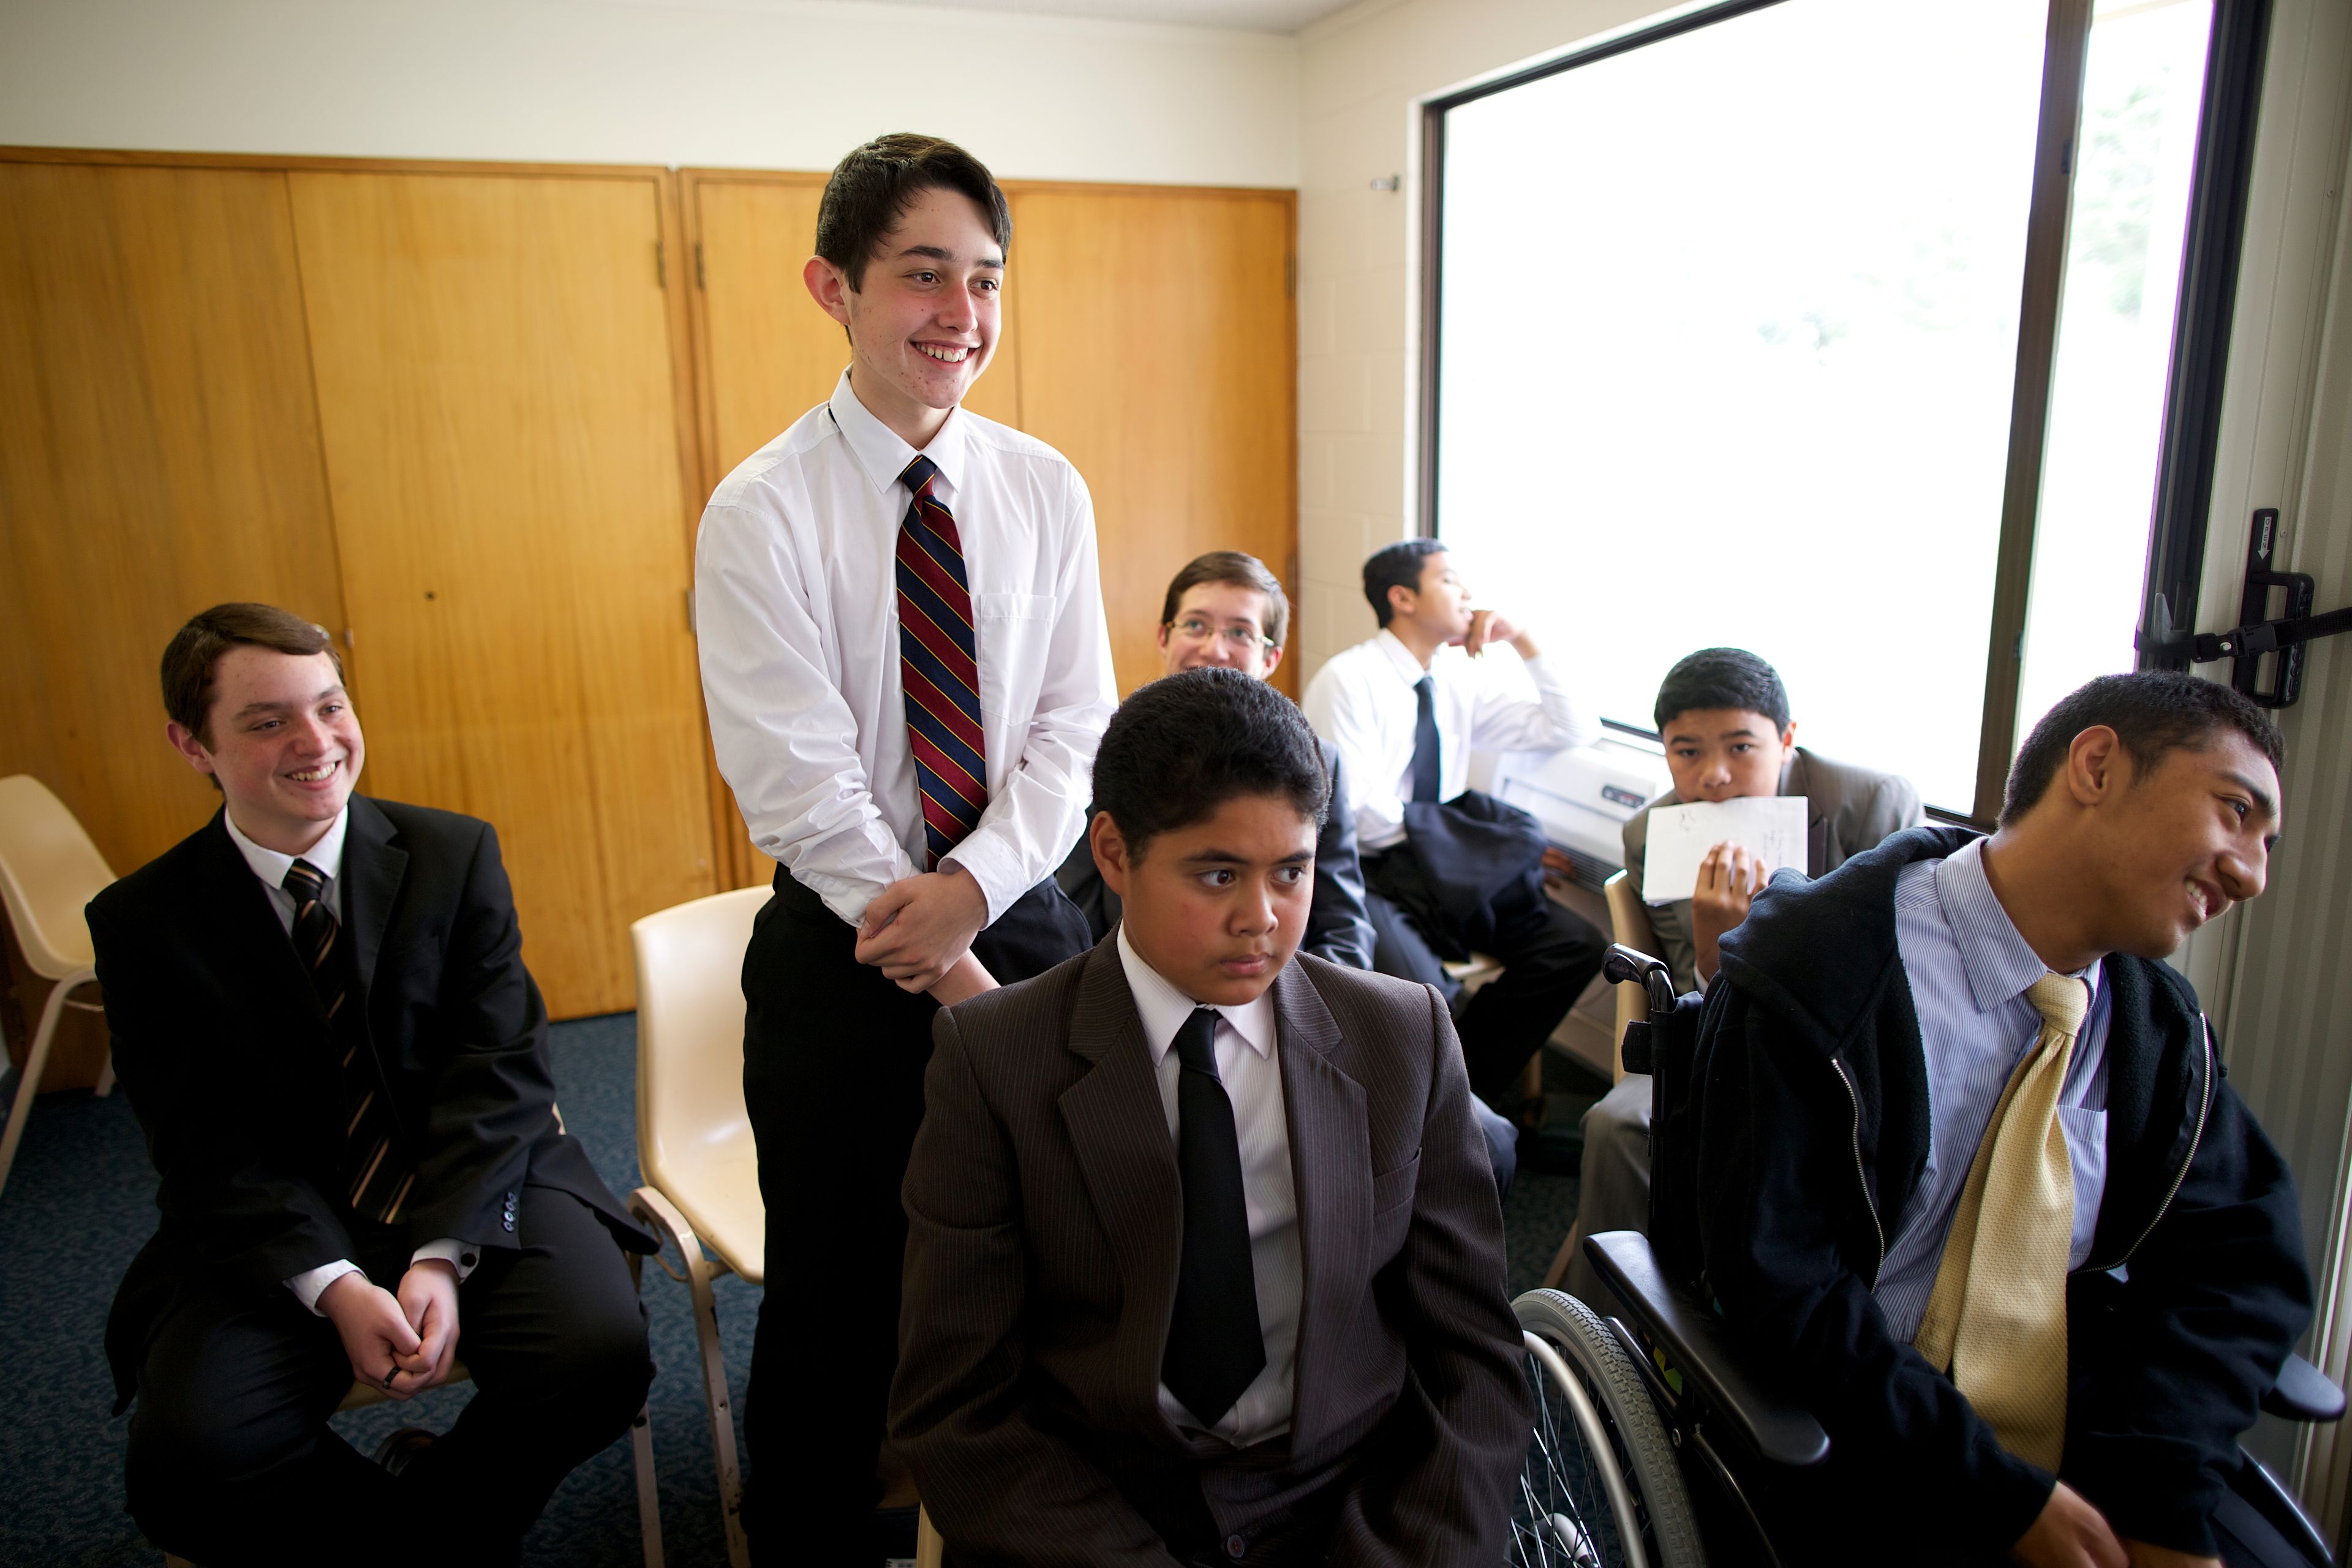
(1959, 1164)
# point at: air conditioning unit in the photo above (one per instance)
(1584, 797)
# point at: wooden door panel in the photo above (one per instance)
(495, 392)
(159, 453)
(1158, 355)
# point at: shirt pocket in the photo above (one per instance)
(2086, 1150)
(1013, 631)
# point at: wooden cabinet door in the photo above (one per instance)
(495, 390)
(1158, 353)
(159, 453)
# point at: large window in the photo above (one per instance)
(1740, 336)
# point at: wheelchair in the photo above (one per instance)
(1655, 1434)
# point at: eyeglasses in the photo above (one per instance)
(1241, 639)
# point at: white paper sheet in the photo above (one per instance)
(1680, 835)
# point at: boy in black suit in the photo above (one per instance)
(320, 1014)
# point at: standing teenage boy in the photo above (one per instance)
(904, 656)
(1967, 1169)
(1723, 714)
(321, 1014)
(1204, 1264)
(1404, 711)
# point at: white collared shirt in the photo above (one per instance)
(1362, 701)
(327, 858)
(796, 609)
(1244, 1046)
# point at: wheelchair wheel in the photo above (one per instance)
(1602, 1488)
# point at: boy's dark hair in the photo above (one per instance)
(874, 185)
(2154, 712)
(1722, 678)
(1239, 570)
(196, 650)
(1396, 566)
(1185, 745)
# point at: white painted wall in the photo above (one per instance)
(1363, 73)
(787, 84)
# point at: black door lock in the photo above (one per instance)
(2258, 634)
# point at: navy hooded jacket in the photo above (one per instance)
(1811, 1113)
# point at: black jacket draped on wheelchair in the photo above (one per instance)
(1790, 1131)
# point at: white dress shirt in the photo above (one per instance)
(1252, 1079)
(796, 608)
(1362, 701)
(327, 856)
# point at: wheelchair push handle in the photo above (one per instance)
(1625, 965)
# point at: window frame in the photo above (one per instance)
(2218, 184)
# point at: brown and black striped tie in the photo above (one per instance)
(376, 1180)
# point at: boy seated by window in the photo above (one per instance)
(1723, 716)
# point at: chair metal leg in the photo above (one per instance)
(36, 1060)
(661, 1217)
(105, 1084)
(641, 1440)
(1559, 1270)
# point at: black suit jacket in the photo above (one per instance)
(1045, 1214)
(225, 1054)
(1338, 928)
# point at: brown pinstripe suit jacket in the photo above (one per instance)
(1044, 1221)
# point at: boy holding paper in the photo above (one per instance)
(1723, 715)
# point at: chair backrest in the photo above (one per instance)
(691, 1024)
(48, 870)
(1631, 927)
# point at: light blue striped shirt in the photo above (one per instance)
(1969, 971)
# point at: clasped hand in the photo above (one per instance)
(403, 1344)
(918, 928)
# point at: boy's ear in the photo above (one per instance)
(829, 287)
(1401, 607)
(1110, 852)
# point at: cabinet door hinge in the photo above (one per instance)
(661, 269)
(698, 282)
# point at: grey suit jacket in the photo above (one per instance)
(1848, 809)
(1045, 1213)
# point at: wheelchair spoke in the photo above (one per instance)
(1563, 1519)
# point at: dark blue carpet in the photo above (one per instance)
(81, 1201)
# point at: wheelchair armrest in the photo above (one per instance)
(2304, 1393)
(1781, 1430)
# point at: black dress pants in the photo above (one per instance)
(834, 1055)
(1549, 954)
(232, 1462)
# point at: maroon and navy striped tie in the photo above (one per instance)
(938, 663)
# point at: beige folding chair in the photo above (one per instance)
(641, 1439)
(694, 1139)
(48, 870)
(1630, 920)
(1630, 926)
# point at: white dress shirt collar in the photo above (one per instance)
(1409, 667)
(1164, 1008)
(882, 455)
(327, 855)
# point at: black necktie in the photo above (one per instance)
(1426, 770)
(376, 1181)
(1215, 1348)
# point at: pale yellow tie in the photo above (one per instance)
(1997, 1318)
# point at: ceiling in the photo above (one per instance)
(1245, 15)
